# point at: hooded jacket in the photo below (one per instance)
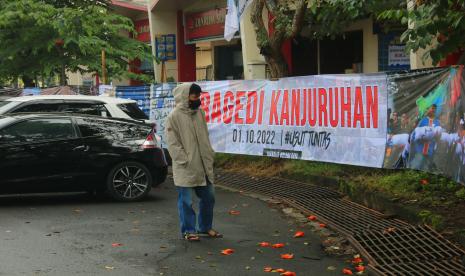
(188, 142)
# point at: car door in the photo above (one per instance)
(43, 154)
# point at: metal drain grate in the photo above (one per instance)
(435, 268)
(407, 245)
(274, 187)
(345, 216)
(392, 246)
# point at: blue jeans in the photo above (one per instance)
(187, 215)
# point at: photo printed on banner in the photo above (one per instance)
(426, 112)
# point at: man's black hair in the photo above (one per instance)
(195, 89)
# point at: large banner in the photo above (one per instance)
(332, 118)
(426, 126)
(411, 119)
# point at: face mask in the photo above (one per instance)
(195, 104)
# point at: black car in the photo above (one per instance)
(64, 152)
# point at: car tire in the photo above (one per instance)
(129, 181)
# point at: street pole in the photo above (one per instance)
(104, 66)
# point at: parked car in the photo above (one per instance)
(52, 152)
(91, 105)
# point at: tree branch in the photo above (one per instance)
(272, 6)
(298, 20)
(257, 21)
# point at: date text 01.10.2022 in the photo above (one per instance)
(266, 137)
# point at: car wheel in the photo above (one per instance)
(129, 181)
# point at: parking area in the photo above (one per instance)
(76, 234)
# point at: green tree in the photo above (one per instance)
(324, 18)
(44, 38)
(438, 26)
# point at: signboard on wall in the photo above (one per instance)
(143, 30)
(397, 57)
(204, 25)
(165, 47)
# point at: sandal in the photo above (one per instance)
(191, 237)
(211, 234)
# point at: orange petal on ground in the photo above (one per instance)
(322, 225)
(360, 268)
(288, 273)
(347, 271)
(357, 260)
(299, 234)
(264, 244)
(278, 245)
(227, 251)
(279, 270)
(287, 256)
(267, 269)
(116, 244)
(311, 218)
(234, 212)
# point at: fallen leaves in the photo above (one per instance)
(347, 271)
(267, 269)
(299, 234)
(281, 271)
(278, 245)
(389, 230)
(234, 213)
(312, 218)
(227, 251)
(331, 268)
(264, 244)
(287, 256)
(357, 260)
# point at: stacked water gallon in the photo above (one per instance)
(140, 94)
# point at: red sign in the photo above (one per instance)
(143, 30)
(204, 25)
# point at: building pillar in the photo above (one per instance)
(186, 54)
(254, 62)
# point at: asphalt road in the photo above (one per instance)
(82, 235)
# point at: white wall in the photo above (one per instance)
(370, 44)
(254, 62)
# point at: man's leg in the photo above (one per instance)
(185, 210)
(206, 194)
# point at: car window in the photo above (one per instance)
(98, 109)
(2, 103)
(37, 130)
(38, 107)
(114, 130)
(133, 111)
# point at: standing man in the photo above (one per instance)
(192, 154)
